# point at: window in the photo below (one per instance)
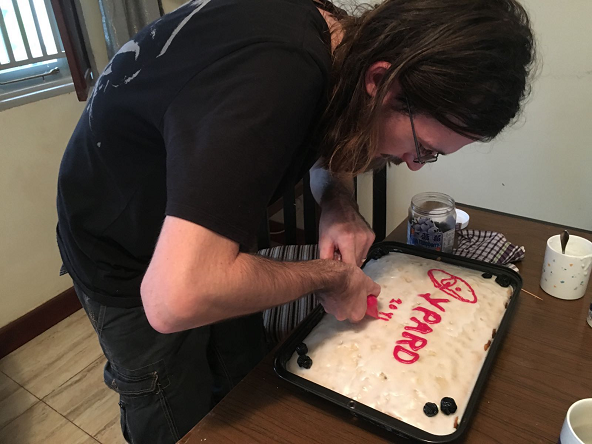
(33, 61)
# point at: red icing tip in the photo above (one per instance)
(372, 308)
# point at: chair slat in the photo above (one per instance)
(290, 216)
(379, 204)
(310, 218)
(263, 235)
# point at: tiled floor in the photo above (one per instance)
(52, 390)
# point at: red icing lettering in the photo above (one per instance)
(453, 286)
(435, 302)
(392, 305)
(399, 349)
(415, 342)
(384, 316)
(421, 327)
(429, 316)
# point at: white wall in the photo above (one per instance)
(540, 168)
(94, 28)
(32, 140)
(171, 5)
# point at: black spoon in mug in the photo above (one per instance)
(564, 239)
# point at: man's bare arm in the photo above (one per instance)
(197, 277)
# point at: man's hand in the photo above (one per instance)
(342, 228)
(347, 299)
(197, 277)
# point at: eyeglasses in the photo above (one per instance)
(423, 155)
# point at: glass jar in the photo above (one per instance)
(431, 223)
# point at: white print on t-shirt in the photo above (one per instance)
(198, 4)
(108, 79)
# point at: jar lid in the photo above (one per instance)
(462, 219)
(432, 203)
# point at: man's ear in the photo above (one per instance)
(374, 75)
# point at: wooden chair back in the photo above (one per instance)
(292, 235)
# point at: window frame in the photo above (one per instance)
(73, 59)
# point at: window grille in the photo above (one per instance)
(29, 33)
(32, 56)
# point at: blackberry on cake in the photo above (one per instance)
(503, 281)
(430, 409)
(377, 254)
(301, 349)
(304, 361)
(448, 406)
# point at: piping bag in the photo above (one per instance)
(372, 308)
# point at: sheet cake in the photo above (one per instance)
(436, 324)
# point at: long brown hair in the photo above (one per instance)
(465, 63)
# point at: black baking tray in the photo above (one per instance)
(285, 351)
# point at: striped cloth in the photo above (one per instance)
(487, 246)
(281, 320)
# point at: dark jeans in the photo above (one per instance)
(167, 383)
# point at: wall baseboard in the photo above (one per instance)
(32, 324)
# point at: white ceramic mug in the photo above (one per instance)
(577, 427)
(566, 276)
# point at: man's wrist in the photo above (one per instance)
(337, 193)
(332, 274)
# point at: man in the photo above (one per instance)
(206, 117)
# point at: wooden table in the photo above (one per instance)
(543, 366)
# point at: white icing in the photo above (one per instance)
(357, 360)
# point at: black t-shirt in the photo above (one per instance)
(208, 114)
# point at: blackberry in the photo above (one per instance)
(487, 275)
(430, 409)
(304, 361)
(377, 254)
(503, 281)
(448, 406)
(301, 349)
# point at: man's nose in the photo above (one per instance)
(409, 160)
